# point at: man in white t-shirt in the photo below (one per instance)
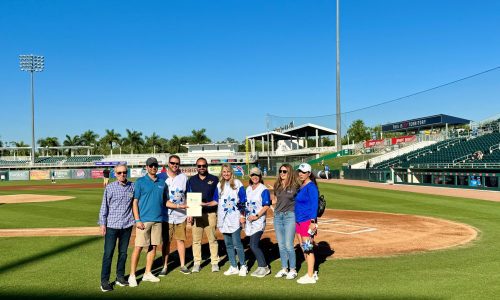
(175, 217)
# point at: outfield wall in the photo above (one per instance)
(81, 173)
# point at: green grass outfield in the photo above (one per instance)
(69, 267)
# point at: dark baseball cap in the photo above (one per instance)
(151, 161)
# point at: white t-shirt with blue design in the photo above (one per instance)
(228, 211)
(256, 199)
(177, 195)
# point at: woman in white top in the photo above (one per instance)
(230, 197)
(258, 202)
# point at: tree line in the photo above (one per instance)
(135, 142)
(132, 142)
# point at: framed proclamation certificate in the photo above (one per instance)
(194, 204)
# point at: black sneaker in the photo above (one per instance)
(121, 281)
(106, 287)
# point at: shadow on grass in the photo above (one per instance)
(269, 249)
(38, 295)
(39, 256)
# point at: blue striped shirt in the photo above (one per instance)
(116, 206)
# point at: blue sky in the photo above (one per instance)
(173, 66)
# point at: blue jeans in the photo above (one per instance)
(284, 226)
(254, 245)
(123, 237)
(233, 241)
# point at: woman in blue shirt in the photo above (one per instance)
(306, 213)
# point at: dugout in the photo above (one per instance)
(484, 180)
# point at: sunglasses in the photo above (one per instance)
(253, 174)
(173, 163)
(300, 171)
(153, 166)
(283, 171)
(121, 173)
(201, 166)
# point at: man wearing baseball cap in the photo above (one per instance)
(150, 196)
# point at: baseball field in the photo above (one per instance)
(374, 244)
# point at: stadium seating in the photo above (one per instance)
(13, 162)
(418, 153)
(451, 151)
(83, 159)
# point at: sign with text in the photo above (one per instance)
(19, 175)
(96, 174)
(403, 139)
(39, 174)
(193, 201)
(372, 143)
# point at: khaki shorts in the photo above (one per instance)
(150, 236)
(175, 231)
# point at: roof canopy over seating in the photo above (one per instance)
(436, 121)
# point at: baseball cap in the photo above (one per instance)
(255, 171)
(304, 167)
(151, 161)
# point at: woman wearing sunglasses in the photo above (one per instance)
(306, 213)
(258, 202)
(285, 189)
(230, 198)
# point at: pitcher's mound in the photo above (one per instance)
(369, 234)
(26, 198)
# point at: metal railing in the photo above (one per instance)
(466, 165)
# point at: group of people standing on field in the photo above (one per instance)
(156, 205)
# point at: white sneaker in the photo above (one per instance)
(232, 271)
(306, 280)
(132, 282)
(243, 270)
(291, 275)
(282, 273)
(315, 275)
(150, 277)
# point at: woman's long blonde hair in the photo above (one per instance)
(223, 181)
(291, 181)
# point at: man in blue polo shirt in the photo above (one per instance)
(206, 184)
(150, 196)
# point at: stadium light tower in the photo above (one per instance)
(339, 123)
(32, 63)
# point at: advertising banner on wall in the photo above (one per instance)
(403, 139)
(39, 174)
(19, 175)
(96, 174)
(80, 173)
(110, 163)
(189, 171)
(63, 174)
(372, 143)
(214, 170)
(137, 172)
(238, 170)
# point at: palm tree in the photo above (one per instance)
(134, 140)
(153, 142)
(110, 138)
(89, 138)
(199, 137)
(72, 141)
(175, 144)
(50, 141)
(22, 151)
